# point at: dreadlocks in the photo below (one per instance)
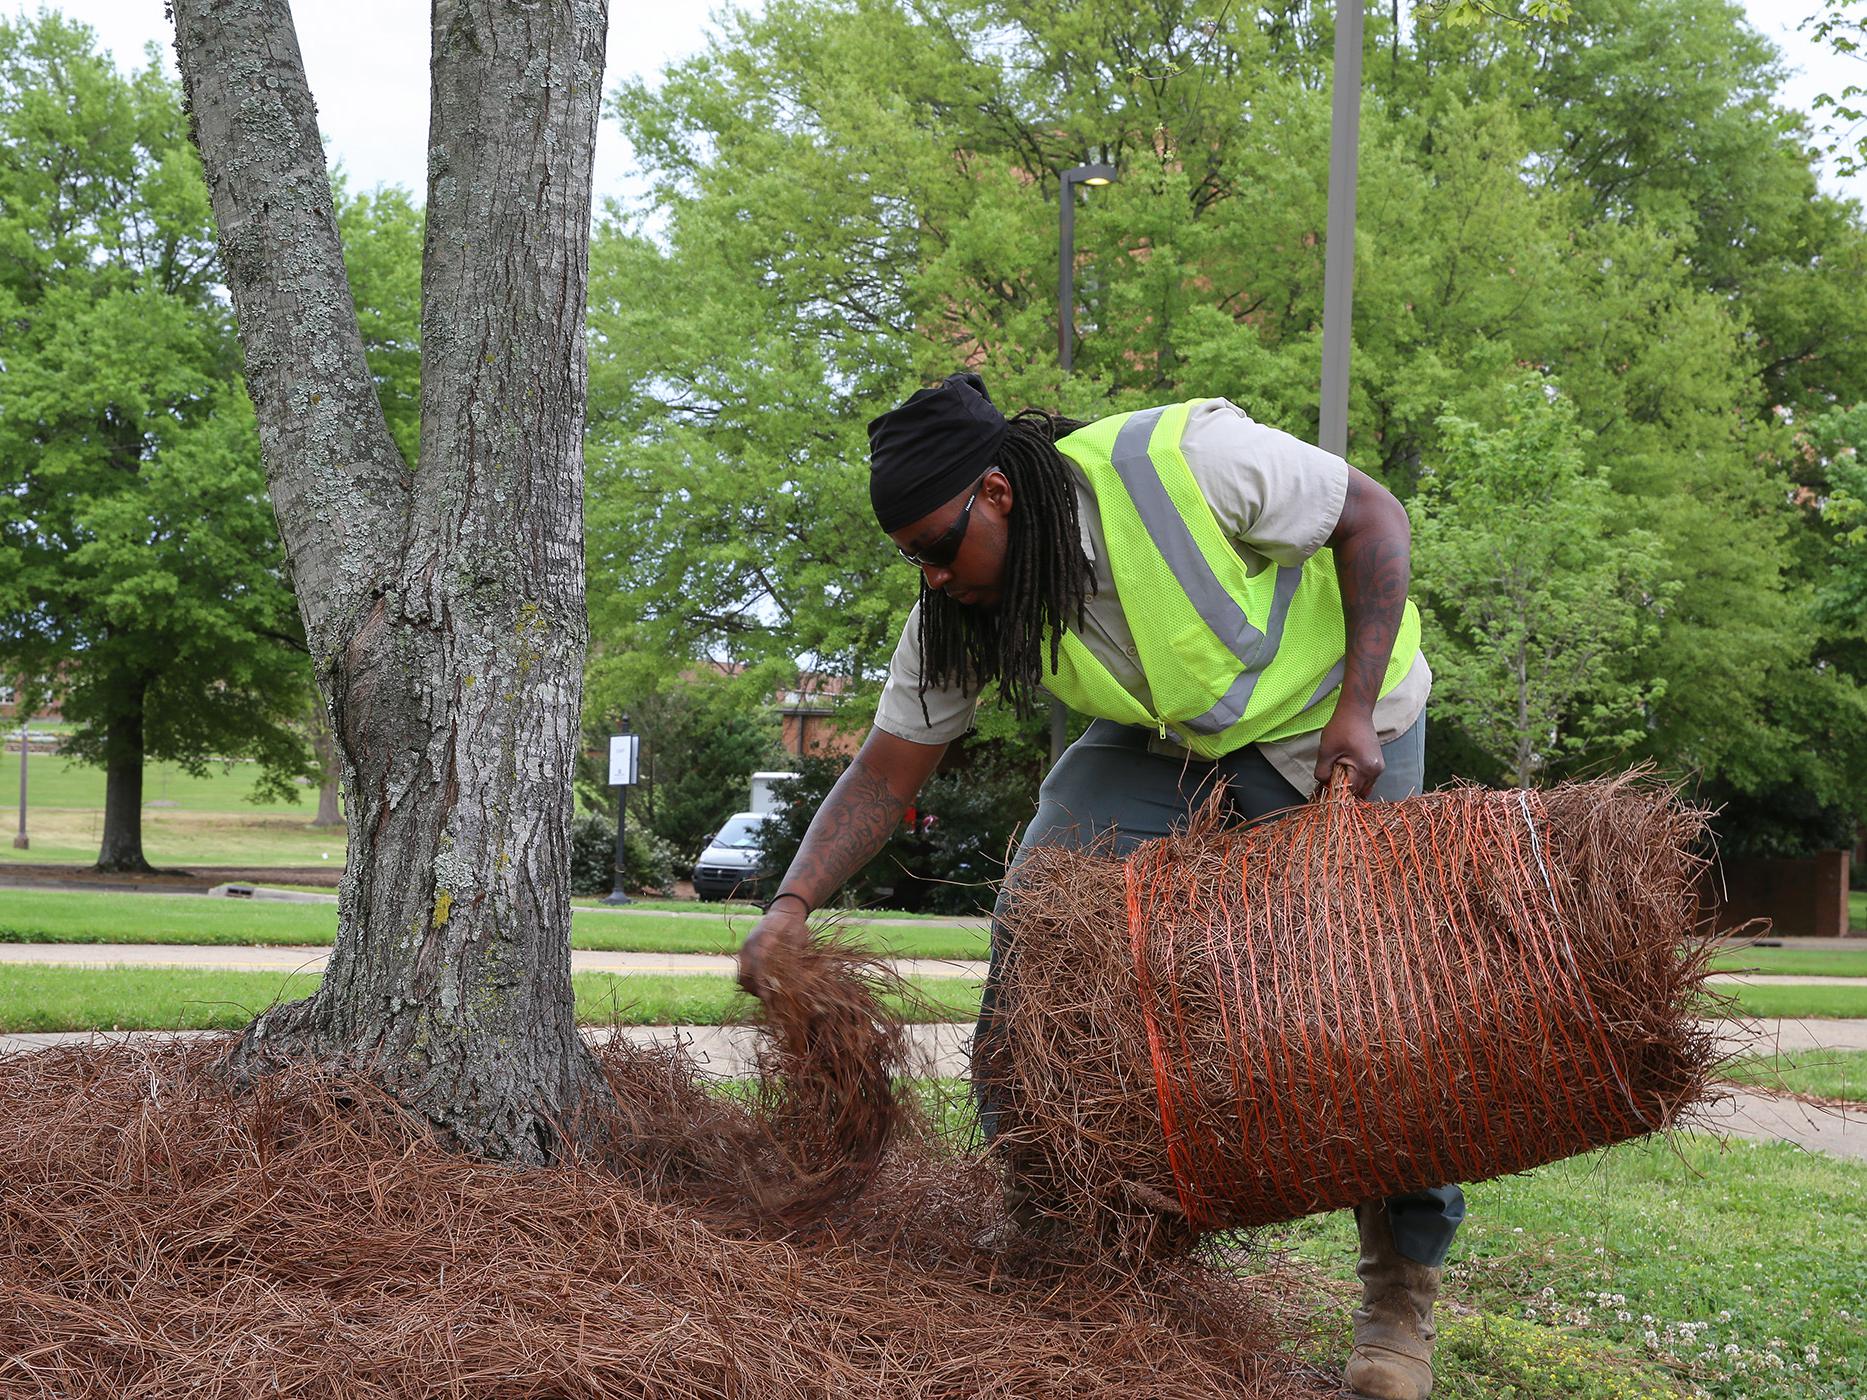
(1047, 577)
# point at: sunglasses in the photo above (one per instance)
(943, 551)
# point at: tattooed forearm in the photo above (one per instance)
(1373, 548)
(851, 826)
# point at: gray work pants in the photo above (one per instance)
(1114, 778)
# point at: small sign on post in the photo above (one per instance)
(624, 753)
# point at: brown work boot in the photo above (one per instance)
(1393, 1355)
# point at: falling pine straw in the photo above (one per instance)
(1236, 1026)
(166, 1234)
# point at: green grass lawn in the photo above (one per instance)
(1828, 1074)
(1815, 1003)
(87, 999)
(1857, 909)
(740, 906)
(1796, 962)
(178, 839)
(53, 780)
(79, 916)
(1736, 1271)
(207, 819)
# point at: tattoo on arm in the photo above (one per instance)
(1372, 563)
(851, 826)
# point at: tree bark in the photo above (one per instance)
(445, 606)
(122, 846)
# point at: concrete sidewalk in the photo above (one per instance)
(268, 894)
(1764, 1117)
(237, 957)
(728, 1051)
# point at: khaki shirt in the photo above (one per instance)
(1278, 500)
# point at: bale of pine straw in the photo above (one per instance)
(1235, 1026)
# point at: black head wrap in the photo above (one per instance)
(930, 449)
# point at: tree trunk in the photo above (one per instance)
(445, 606)
(324, 746)
(122, 846)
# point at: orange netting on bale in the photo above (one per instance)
(1237, 1026)
(164, 1233)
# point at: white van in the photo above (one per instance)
(763, 798)
(731, 863)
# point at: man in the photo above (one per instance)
(1229, 603)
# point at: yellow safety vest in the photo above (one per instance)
(1231, 658)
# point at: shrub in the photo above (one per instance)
(648, 861)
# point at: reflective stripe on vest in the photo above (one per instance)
(1210, 599)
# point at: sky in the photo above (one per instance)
(367, 61)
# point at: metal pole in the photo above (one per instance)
(617, 895)
(1093, 174)
(22, 842)
(1066, 275)
(1338, 278)
(1066, 357)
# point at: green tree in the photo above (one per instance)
(1811, 798)
(1842, 26)
(1537, 601)
(382, 232)
(852, 198)
(1832, 473)
(141, 565)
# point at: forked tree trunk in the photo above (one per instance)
(121, 849)
(445, 606)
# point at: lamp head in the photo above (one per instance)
(1089, 175)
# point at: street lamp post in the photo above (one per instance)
(1092, 176)
(1338, 276)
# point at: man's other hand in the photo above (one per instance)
(784, 928)
(1349, 739)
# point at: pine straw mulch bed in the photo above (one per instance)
(166, 1234)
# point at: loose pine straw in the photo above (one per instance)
(166, 1234)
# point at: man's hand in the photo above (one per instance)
(854, 822)
(783, 928)
(1349, 738)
